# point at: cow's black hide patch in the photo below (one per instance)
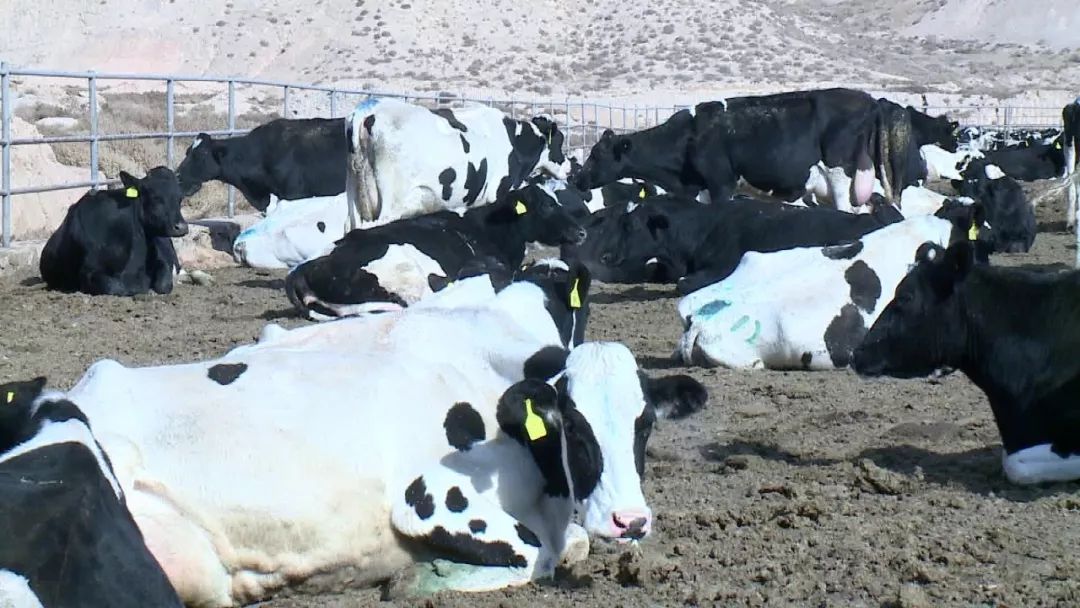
(417, 497)
(369, 122)
(464, 426)
(448, 114)
(446, 178)
(806, 360)
(226, 373)
(475, 178)
(526, 535)
(464, 144)
(845, 251)
(546, 362)
(865, 285)
(477, 526)
(844, 333)
(470, 550)
(321, 226)
(455, 500)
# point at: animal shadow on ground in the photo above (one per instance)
(653, 362)
(1050, 226)
(278, 284)
(284, 313)
(32, 281)
(1051, 268)
(637, 293)
(977, 470)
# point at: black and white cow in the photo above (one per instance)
(117, 241)
(991, 139)
(287, 158)
(933, 130)
(942, 164)
(394, 265)
(1010, 331)
(68, 538)
(292, 232)
(405, 160)
(1070, 140)
(283, 477)
(1026, 163)
(666, 239)
(1007, 208)
(780, 144)
(808, 308)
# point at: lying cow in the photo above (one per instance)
(117, 241)
(287, 158)
(776, 143)
(942, 164)
(1026, 163)
(992, 139)
(1070, 140)
(262, 469)
(292, 232)
(405, 160)
(1007, 208)
(394, 265)
(808, 308)
(668, 239)
(1010, 332)
(68, 538)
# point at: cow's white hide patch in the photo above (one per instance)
(404, 271)
(994, 172)
(1039, 464)
(293, 232)
(15, 592)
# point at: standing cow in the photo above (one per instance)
(1070, 139)
(406, 160)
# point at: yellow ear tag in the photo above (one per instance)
(973, 232)
(1058, 145)
(520, 208)
(131, 193)
(575, 297)
(642, 193)
(10, 397)
(534, 424)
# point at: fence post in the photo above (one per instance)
(333, 103)
(93, 131)
(169, 119)
(232, 127)
(5, 150)
(285, 103)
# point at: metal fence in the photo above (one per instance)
(582, 121)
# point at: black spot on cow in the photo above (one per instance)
(446, 178)
(455, 500)
(321, 226)
(526, 535)
(226, 373)
(865, 285)
(806, 360)
(464, 144)
(417, 497)
(369, 122)
(448, 114)
(477, 526)
(845, 251)
(464, 426)
(546, 362)
(844, 333)
(465, 548)
(475, 179)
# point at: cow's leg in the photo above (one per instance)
(1071, 188)
(489, 548)
(96, 282)
(839, 188)
(162, 265)
(1039, 464)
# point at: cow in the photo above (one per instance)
(261, 469)
(1070, 140)
(1010, 331)
(808, 308)
(668, 239)
(1026, 163)
(1007, 208)
(68, 537)
(286, 158)
(405, 160)
(393, 265)
(292, 232)
(992, 139)
(776, 143)
(942, 164)
(933, 130)
(583, 203)
(117, 241)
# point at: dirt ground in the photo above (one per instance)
(790, 489)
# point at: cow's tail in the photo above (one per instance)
(883, 155)
(296, 288)
(361, 189)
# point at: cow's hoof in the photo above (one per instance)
(577, 545)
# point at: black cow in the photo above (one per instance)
(1012, 332)
(1070, 140)
(936, 130)
(396, 264)
(1008, 211)
(288, 158)
(667, 237)
(68, 538)
(117, 241)
(1025, 162)
(772, 142)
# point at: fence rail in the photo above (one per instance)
(582, 121)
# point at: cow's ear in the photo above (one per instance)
(131, 184)
(608, 134)
(577, 286)
(950, 267)
(623, 145)
(675, 396)
(546, 363)
(529, 411)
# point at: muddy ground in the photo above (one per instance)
(790, 489)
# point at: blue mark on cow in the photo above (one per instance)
(368, 103)
(712, 308)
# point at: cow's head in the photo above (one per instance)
(554, 140)
(1012, 217)
(602, 409)
(566, 295)
(606, 163)
(534, 215)
(622, 249)
(921, 330)
(157, 197)
(201, 163)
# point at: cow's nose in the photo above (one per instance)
(631, 525)
(179, 229)
(607, 258)
(581, 236)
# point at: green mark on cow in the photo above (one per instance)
(713, 307)
(757, 330)
(738, 324)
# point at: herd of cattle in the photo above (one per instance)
(221, 482)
